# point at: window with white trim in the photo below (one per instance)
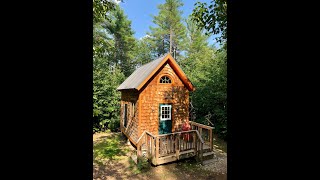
(165, 80)
(165, 112)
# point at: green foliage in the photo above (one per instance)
(206, 67)
(143, 52)
(113, 45)
(168, 22)
(101, 8)
(114, 125)
(124, 41)
(143, 164)
(106, 99)
(211, 93)
(213, 18)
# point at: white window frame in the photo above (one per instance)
(169, 107)
(165, 80)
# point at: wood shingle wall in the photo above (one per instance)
(128, 97)
(155, 93)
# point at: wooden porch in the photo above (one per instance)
(164, 148)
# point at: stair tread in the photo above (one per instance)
(188, 151)
(208, 153)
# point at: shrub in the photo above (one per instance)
(143, 164)
(114, 125)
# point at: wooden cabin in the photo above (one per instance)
(154, 104)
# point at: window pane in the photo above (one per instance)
(165, 79)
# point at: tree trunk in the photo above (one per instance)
(163, 45)
(171, 40)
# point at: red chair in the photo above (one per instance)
(186, 127)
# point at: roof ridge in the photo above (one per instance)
(138, 78)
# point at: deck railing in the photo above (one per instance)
(169, 147)
(205, 132)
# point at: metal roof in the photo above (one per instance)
(140, 74)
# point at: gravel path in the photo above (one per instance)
(218, 163)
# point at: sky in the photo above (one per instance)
(140, 13)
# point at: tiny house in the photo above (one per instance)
(155, 97)
(154, 105)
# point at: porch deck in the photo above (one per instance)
(164, 148)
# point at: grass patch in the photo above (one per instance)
(109, 149)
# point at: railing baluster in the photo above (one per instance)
(172, 143)
(211, 139)
(151, 145)
(157, 150)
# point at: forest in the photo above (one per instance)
(117, 53)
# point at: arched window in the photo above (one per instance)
(165, 80)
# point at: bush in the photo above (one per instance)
(114, 125)
(143, 164)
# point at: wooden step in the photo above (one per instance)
(167, 159)
(186, 152)
(208, 153)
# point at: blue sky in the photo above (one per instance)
(140, 13)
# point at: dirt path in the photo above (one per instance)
(117, 165)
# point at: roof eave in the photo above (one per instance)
(126, 89)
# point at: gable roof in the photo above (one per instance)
(141, 75)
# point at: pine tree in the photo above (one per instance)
(170, 32)
(207, 69)
(197, 48)
(124, 41)
(143, 53)
(113, 45)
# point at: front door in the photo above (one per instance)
(165, 119)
